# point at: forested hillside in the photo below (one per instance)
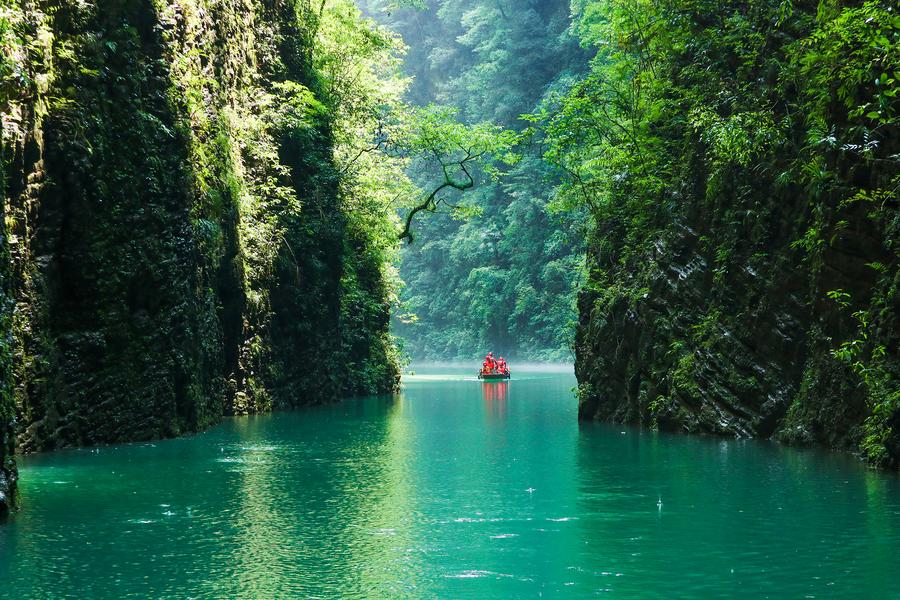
(184, 234)
(740, 164)
(733, 168)
(505, 278)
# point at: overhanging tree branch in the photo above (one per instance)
(432, 201)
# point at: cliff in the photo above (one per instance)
(7, 400)
(178, 245)
(754, 292)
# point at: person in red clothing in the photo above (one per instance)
(501, 366)
(489, 363)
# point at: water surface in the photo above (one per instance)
(455, 489)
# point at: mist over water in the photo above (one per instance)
(455, 488)
(452, 369)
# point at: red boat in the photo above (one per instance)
(493, 375)
(492, 370)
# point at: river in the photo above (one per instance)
(454, 489)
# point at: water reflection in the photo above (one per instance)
(264, 519)
(456, 489)
(751, 518)
(383, 537)
(495, 394)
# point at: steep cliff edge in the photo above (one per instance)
(748, 285)
(8, 473)
(178, 244)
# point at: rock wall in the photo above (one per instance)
(748, 352)
(759, 296)
(8, 473)
(177, 246)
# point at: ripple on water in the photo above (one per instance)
(478, 574)
(427, 496)
(385, 532)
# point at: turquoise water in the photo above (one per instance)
(455, 489)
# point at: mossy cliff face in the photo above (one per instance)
(756, 293)
(115, 321)
(177, 246)
(8, 473)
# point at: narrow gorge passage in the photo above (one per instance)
(449, 298)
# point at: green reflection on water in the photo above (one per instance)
(456, 489)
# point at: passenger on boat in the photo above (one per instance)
(501, 366)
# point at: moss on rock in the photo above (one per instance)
(748, 285)
(179, 249)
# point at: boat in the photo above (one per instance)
(492, 370)
(496, 376)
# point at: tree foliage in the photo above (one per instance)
(719, 128)
(498, 269)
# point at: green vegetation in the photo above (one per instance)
(739, 161)
(502, 273)
(733, 168)
(187, 235)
